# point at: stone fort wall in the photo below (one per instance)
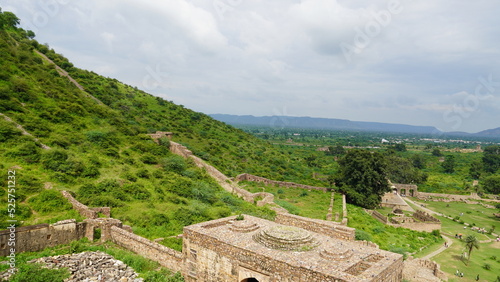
(85, 211)
(446, 197)
(224, 181)
(38, 237)
(324, 227)
(167, 257)
(254, 178)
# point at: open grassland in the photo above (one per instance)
(487, 254)
(473, 214)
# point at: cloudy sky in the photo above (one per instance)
(398, 61)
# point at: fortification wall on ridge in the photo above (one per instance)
(254, 178)
(81, 208)
(224, 181)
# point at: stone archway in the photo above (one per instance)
(251, 279)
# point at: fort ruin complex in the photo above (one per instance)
(291, 248)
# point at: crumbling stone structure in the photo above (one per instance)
(250, 177)
(328, 228)
(167, 257)
(85, 211)
(255, 249)
(38, 237)
(447, 197)
(161, 134)
(405, 189)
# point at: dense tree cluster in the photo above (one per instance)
(363, 177)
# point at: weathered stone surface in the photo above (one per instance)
(215, 251)
(91, 266)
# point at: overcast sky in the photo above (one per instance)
(415, 62)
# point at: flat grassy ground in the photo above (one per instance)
(488, 252)
(313, 204)
(450, 261)
(475, 215)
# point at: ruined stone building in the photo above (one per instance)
(255, 249)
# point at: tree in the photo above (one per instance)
(491, 158)
(8, 19)
(362, 177)
(401, 170)
(338, 150)
(400, 147)
(436, 152)
(475, 169)
(491, 184)
(471, 242)
(449, 164)
(418, 161)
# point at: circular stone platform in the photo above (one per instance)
(243, 226)
(286, 238)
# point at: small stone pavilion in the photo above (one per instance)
(254, 249)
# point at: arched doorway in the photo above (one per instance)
(250, 280)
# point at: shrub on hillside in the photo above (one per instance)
(49, 201)
(137, 191)
(29, 152)
(7, 130)
(362, 235)
(174, 163)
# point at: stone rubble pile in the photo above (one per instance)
(91, 266)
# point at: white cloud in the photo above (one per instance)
(264, 55)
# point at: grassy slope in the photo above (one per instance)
(100, 151)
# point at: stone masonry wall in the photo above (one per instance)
(250, 177)
(224, 181)
(378, 216)
(328, 228)
(166, 257)
(38, 237)
(423, 216)
(447, 197)
(81, 208)
(203, 252)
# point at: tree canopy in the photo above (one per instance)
(362, 177)
(491, 158)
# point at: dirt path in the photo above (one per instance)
(449, 242)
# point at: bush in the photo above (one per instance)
(174, 163)
(104, 201)
(49, 201)
(7, 130)
(137, 191)
(362, 235)
(149, 158)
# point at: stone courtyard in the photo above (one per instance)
(255, 249)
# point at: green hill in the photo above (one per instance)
(64, 128)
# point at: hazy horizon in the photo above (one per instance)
(428, 64)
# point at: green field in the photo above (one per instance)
(474, 215)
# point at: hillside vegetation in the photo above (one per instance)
(94, 144)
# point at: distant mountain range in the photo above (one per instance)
(340, 124)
